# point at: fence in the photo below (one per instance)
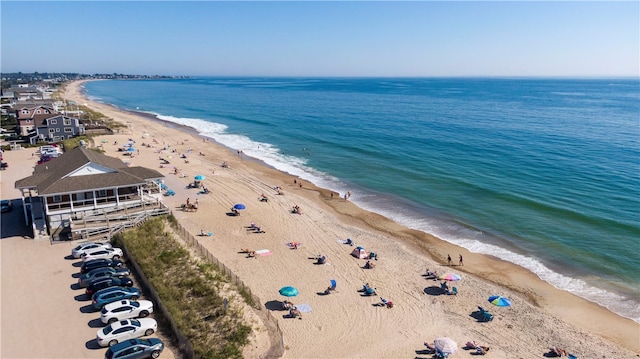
(277, 341)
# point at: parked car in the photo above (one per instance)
(113, 294)
(102, 273)
(125, 309)
(135, 349)
(88, 246)
(100, 263)
(113, 253)
(6, 205)
(103, 283)
(123, 330)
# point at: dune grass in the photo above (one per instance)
(192, 290)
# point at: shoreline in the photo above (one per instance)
(429, 249)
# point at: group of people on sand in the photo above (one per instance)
(296, 209)
(250, 253)
(255, 228)
(294, 312)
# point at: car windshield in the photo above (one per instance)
(135, 323)
(78, 247)
(135, 304)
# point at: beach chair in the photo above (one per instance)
(484, 315)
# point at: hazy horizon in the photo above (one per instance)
(324, 39)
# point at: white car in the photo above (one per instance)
(124, 330)
(109, 253)
(88, 246)
(125, 309)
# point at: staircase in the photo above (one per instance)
(99, 224)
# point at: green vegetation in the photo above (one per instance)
(74, 142)
(192, 289)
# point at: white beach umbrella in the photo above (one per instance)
(446, 345)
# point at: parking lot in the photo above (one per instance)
(44, 314)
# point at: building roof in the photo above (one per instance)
(57, 176)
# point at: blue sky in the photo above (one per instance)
(323, 38)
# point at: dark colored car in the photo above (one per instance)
(108, 282)
(113, 294)
(102, 273)
(6, 205)
(135, 349)
(100, 263)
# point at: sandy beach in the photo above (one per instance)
(346, 324)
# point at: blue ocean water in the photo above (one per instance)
(544, 173)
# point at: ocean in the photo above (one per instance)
(544, 173)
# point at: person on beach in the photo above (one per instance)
(449, 260)
(460, 263)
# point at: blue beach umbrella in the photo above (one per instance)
(131, 149)
(499, 301)
(239, 206)
(199, 177)
(289, 291)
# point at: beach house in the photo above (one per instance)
(43, 124)
(85, 194)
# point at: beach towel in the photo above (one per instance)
(304, 308)
(264, 252)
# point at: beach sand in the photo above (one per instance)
(346, 324)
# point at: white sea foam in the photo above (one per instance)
(468, 238)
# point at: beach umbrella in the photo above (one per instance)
(239, 206)
(449, 276)
(333, 283)
(445, 345)
(289, 291)
(499, 301)
(131, 149)
(199, 177)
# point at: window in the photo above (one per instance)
(57, 130)
(38, 111)
(28, 121)
(57, 199)
(52, 130)
(68, 130)
(102, 193)
(53, 122)
(67, 121)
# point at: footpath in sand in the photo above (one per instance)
(346, 324)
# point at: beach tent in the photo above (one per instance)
(359, 252)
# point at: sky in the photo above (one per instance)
(323, 38)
